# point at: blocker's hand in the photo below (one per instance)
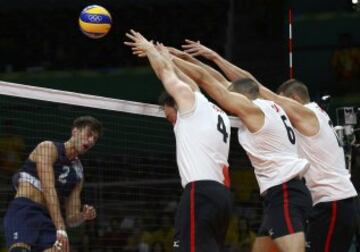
(180, 54)
(140, 46)
(88, 212)
(197, 49)
(164, 51)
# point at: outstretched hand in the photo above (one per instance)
(164, 51)
(140, 46)
(196, 49)
(178, 53)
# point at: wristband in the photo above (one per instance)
(61, 232)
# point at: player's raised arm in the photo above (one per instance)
(180, 91)
(231, 71)
(165, 52)
(233, 102)
(301, 117)
(187, 57)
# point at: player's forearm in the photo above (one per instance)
(158, 63)
(268, 94)
(52, 203)
(186, 79)
(203, 79)
(75, 219)
(230, 70)
(193, 71)
(214, 73)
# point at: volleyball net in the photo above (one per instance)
(131, 175)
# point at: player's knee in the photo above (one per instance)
(19, 249)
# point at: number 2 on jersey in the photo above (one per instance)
(62, 177)
(222, 128)
(290, 131)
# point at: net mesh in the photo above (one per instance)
(131, 175)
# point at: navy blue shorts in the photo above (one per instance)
(29, 222)
(332, 225)
(202, 217)
(286, 208)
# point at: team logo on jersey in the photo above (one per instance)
(15, 235)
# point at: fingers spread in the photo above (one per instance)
(188, 45)
(130, 36)
(191, 42)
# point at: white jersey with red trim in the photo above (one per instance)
(272, 149)
(327, 178)
(202, 142)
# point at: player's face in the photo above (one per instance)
(85, 138)
(170, 114)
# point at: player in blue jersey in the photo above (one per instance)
(50, 180)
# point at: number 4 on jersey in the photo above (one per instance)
(222, 128)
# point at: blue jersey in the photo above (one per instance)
(67, 173)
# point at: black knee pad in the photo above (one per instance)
(20, 249)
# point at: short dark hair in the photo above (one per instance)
(88, 121)
(247, 87)
(294, 87)
(166, 99)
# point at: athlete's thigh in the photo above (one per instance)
(19, 225)
(47, 235)
(195, 222)
(333, 226)
(182, 223)
(317, 227)
(291, 243)
(345, 226)
(286, 210)
(264, 244)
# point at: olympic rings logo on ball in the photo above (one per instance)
(95, 18)
(95, 21)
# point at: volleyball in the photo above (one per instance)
(95, 21)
